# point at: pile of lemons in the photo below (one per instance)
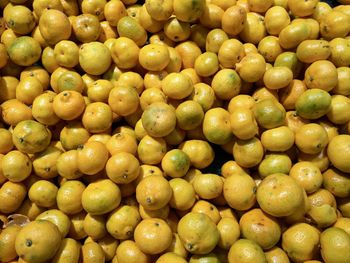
(110, 112)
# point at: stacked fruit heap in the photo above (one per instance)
(111, 112)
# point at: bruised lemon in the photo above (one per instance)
(30, 136)
(159, 119)
(261, 228)
(308, 175)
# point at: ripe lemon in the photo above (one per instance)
(38, 241)
(245, 250)
(198, 233)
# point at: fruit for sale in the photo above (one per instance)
(174, 131)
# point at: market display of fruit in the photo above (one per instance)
(174, 131)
